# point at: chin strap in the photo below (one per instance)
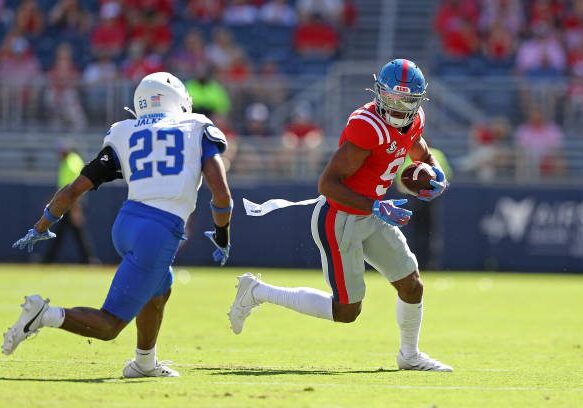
(130, 111)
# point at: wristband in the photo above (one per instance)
(222, 235)
(222, 210)
(50, 217)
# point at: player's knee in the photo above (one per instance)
(346, 313)
(411, 288)
(111, 328)
(160, 301)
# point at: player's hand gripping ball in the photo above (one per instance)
(423, 181)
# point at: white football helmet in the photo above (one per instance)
(161, 92)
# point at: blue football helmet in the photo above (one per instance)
(400, 88)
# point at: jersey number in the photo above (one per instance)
(146, 168)
(389, 175)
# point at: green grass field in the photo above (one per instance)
(514, 340)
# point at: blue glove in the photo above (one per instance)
(221, 254)
(439, 186)
(31, 238)
(389, 212)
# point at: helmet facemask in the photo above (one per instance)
(397, 107)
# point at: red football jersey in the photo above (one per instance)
(388, 146)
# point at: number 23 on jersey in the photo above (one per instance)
(141, 167)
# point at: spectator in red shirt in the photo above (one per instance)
(160, 35)
(301, 140)
(573, 25)
(165, 7)
(109, 36)
(238, 71)
(539, 142)
(456, 23)
(545, 12)
(488, 154)
(315, 38)
(19, 68)
(29, 19)
(499, 44)
(138, 64)
(301, 131)
(205, 10)
(62, 96)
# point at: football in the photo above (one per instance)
(417, 176)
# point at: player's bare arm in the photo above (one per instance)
(420, 152)
(216, 179)
(63, 200)
(344, 163)
(221, 204)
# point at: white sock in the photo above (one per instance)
(409, 316)
(146, 359)
(308, 301)
(53, 317)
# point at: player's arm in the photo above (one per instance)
(104, 168)
(221, 203)
(420, 152)
(344, 163)
(216, 179)
(62, 202)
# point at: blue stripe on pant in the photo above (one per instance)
(326, 245)
(147, 239)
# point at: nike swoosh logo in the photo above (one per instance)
(27, 325)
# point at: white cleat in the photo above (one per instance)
(133, 370)
(27, 324)
(244, 301)
(421, 362)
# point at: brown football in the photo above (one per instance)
(417, 176)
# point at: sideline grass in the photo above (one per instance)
(514, 340)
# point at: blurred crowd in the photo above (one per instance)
(76, 47)
(538, 46)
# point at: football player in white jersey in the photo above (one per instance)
(162, 154)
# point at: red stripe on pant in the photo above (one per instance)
(336, 258)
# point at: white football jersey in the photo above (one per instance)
(161, 158)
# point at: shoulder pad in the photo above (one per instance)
(195, 118)
(215, 135)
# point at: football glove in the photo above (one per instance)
(221, 254)
(389, 212)
(31, 238)
(439, 186)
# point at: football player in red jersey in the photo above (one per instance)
(352, 224)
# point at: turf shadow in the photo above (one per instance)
(273, 371)
(72, 380)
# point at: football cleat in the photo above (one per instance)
(133, 370)
(27, 324)
(244, 301)
(421, 362)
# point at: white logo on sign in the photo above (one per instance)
(510, 218)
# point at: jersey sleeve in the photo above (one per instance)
(103, 168)
(214, 135)
(209, 149)
(361, 133)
